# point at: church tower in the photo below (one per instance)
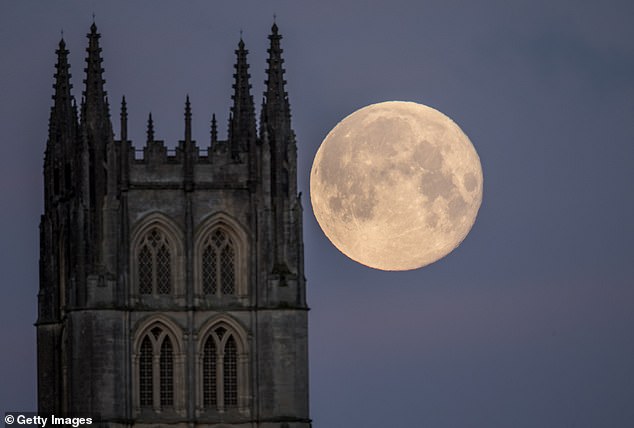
(172, 287)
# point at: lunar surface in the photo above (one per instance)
(396, 185)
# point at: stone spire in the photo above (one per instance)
(94, 93)
(100, 169)
(243, 131)
(95, 114)
(60, 157)
(150, 129)
(277, 133)
(214, 130)
(124, 149)
(63, 119)
(275, 120)
(188, 147)
(188, 120)
(276, 105)
(124, 120)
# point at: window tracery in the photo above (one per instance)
(222, 369)
(156, 369)
(218, 264)
(221, 268)
(154, 263)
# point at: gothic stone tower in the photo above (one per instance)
(172, 287)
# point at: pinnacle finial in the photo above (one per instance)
(274, 28)
(275, 95)
(62, 77)
(276, 109)
(242, 128)
(124, 109)
(188, 120)
(214, 129)
(150, 129)
(62, 113)
(94, 91)
(124, 120)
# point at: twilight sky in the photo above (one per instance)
(529, 323)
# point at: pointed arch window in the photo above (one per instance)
(218, 264)
(156, 370)
(154, 263)
(220, 370)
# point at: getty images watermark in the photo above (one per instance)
(30, 419)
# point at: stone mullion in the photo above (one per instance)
(200, 376)
(156, 378)
(243, 387)
(220, 380)
(221, 252)
(177, 378)
(154, 271)
(136, 393)
(218, 272)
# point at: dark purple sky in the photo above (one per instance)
(529, 323)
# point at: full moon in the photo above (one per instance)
(396, 185)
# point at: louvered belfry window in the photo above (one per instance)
(218, 264)
(154, 263)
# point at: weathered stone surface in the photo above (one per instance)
(114, 215)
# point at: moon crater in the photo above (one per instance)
(396, 185)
